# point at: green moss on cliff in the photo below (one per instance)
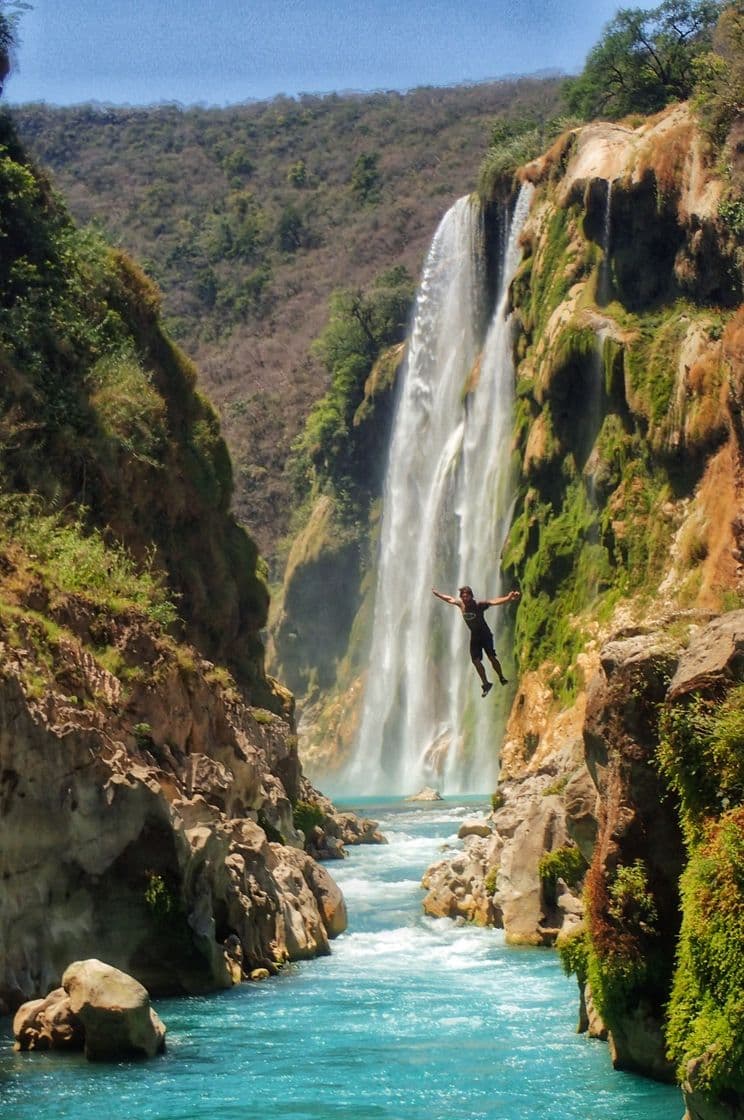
(706, 1014)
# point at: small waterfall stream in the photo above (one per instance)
(446, 509)
(604, 283)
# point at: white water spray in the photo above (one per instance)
(447, 505)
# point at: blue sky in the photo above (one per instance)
(217, 52)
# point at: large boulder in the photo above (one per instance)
(457, 886)
(715, 656)
(114, 1010)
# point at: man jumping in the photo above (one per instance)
(481, 638)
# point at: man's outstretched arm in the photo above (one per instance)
(510, 598)
(445, 598)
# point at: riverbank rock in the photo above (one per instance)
(98, 1009)
(333, 829)
(495, 879)
(426, 794)
(151, 828)
(457, 887)
(114, 1010)
(48, 1024)
(639, 835)
(474, 828)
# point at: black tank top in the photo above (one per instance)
(474, 619)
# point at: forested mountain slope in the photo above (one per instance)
(249, 217)
(150, 784)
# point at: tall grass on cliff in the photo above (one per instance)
(72, 558)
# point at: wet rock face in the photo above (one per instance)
(620, 738)
(638, 822)
(138, 831)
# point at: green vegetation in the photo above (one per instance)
(573, 953)
(561, 567)
(719, 73)
(706, 1012)
(565, 863)
(333, 452)
(497, 800)
(701, 754)
(306, 816)
(10, 14)
(514, 141)
(114, 478)
(626, 960)
(72, 558)
(644, 60)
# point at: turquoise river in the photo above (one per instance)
(410, 1018)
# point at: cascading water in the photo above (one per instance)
(603, 282)
(446, 509)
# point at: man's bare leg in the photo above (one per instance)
(487, 686)
(497, 668)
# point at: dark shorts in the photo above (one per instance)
(481, 643)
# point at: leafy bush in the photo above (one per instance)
(701, 754)
(631, 904)
(497, 800)
(306, 816)
(565, 863)
(366, 180)
(332, 451)
(573, 953)
(719, 76)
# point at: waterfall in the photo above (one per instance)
(604, 286)
(447, 503)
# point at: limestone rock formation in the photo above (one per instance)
(99, 1009)
(639, 827)
(114, 1010)
(426, 794)
(495, 879)
(48, 1024)
(151, 830)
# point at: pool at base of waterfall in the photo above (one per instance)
(410, 1018)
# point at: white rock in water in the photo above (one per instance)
(426, 794)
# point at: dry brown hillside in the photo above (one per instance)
(249, 217)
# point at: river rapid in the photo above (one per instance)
(410, 1018)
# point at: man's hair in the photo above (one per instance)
(461, 590)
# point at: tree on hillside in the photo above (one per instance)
(361, 324)
(10, 14)
(644, 60)
(719, 93)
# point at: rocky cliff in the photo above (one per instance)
(626, 542)
(148, 819)
(619, 771)
(154, 811)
